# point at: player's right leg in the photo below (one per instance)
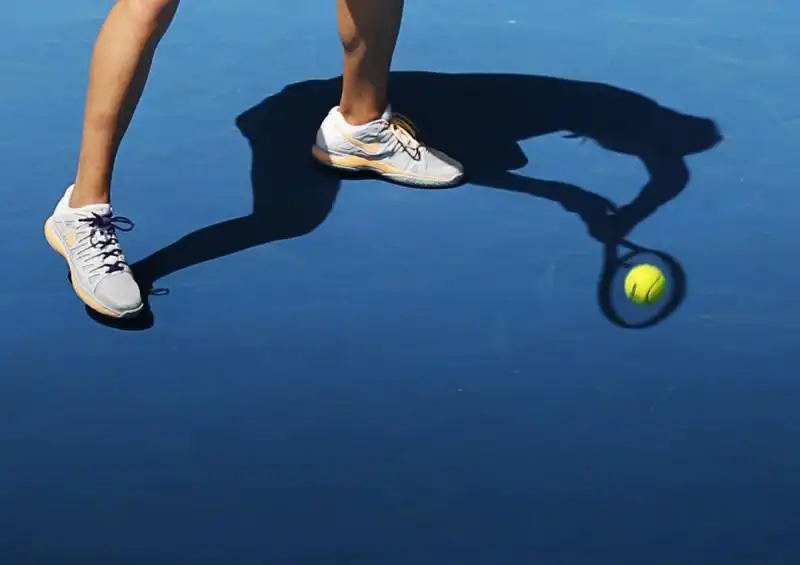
(362, 133)
(83, 228)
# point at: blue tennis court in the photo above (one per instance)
(337, 370)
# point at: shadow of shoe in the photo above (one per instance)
(144, 320)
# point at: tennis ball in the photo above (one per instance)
(645, 284)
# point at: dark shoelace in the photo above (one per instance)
(411, 145)
(106, 225)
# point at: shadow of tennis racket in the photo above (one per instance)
(616, 266)
(610, 225)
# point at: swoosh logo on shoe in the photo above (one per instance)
(372, 149)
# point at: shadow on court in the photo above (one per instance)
(480, 120)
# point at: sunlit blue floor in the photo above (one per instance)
(350, 372)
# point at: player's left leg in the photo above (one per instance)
(362, 133)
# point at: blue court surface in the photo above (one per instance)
(343, 371)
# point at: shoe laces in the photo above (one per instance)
(99, 243)
(406, 135)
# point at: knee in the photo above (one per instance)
(153, 12)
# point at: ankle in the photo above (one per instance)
(81, 197)
(356, 116)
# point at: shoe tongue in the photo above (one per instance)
(387, 113)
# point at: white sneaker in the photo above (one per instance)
(86, 237)
(388, 146)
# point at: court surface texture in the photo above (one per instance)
(344, 371)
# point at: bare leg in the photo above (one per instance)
(369, 31)
(121, 62)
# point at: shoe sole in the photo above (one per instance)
(55, 243)
(353, 163)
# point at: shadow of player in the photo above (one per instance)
(479, 119)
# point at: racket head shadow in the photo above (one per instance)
(611, 298)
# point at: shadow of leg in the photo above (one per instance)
(279, 214)
(205, 244)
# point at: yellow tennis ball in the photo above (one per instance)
(645, 284)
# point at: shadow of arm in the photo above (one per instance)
(669, 176)
(594, 210)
